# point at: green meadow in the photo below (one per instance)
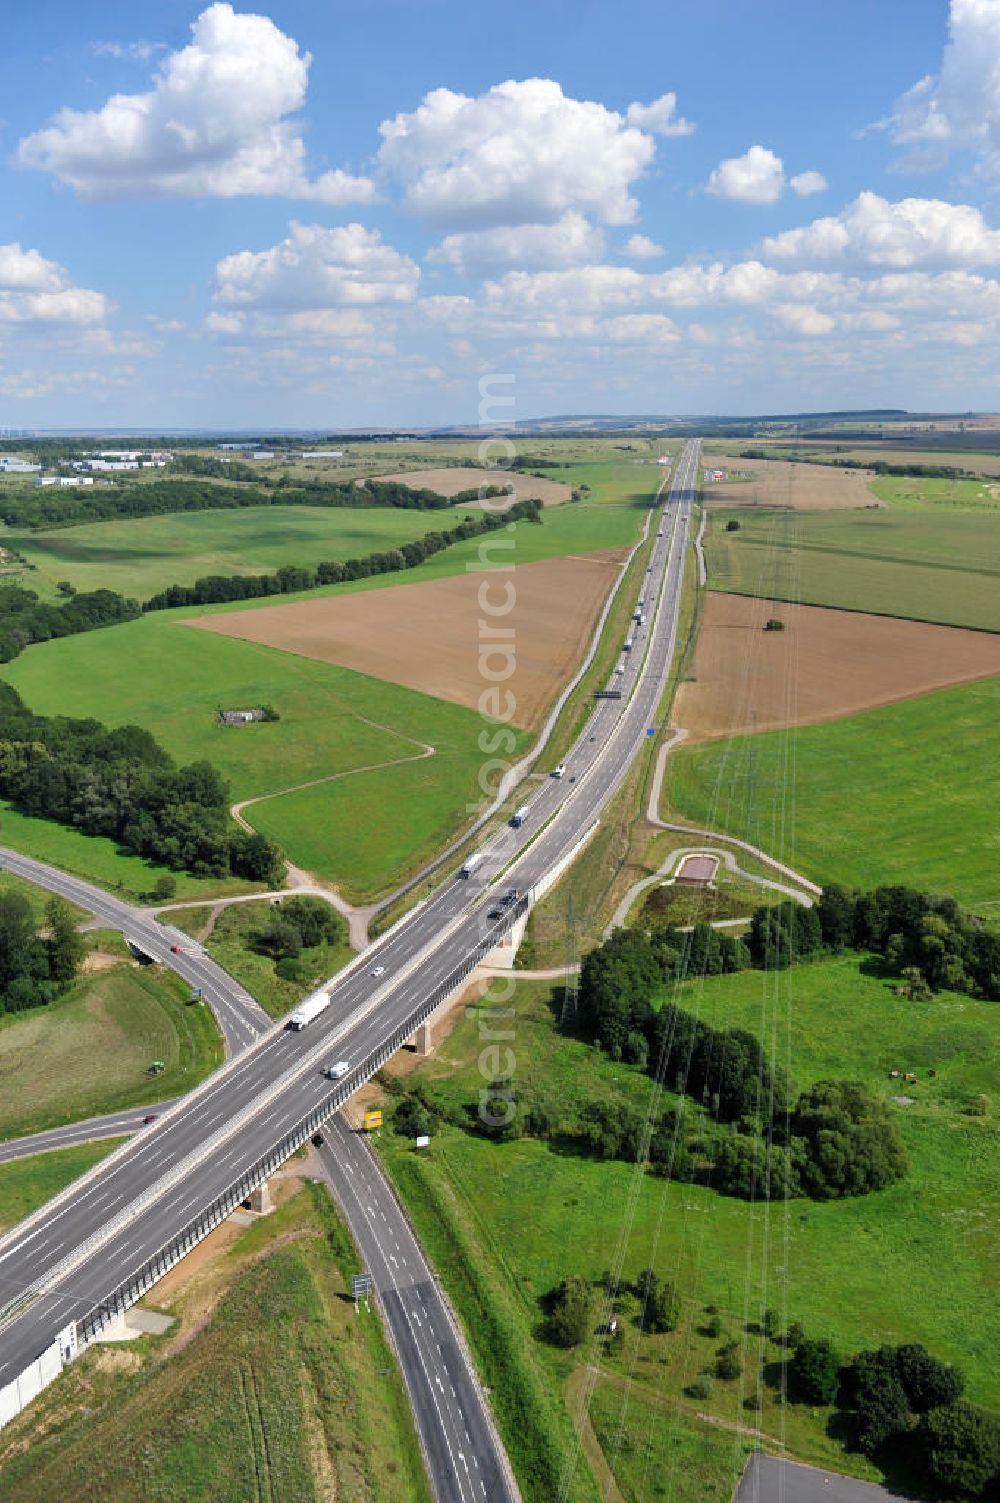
(140, 555)
(961, 495)
(897, 794)
(930, 564)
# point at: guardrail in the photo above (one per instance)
(125, 1294)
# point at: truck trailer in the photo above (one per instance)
(471, 864)
(309, 1009)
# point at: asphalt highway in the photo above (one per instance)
(107, 1225)
(463, 1453)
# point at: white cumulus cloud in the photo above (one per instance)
(34, 290)
(522, 153)
(213, 124)
(758, 177)
(532, 247)
(959, 108)
(872, 231)
(805, 184)
(660, 117)
(642, 248)
(800, 318)
(315, 268)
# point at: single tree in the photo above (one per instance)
(814, 1371)
(571, 1315)
(962, 1446)
(65, 946)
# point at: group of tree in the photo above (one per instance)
(219, 587)
(906, 1412)
(914, 931)
(123, 785)
(24, 619)
(294, 925)
(572, 1308)
(35, 968)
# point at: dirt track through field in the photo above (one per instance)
(840, 663)
(448, 482)
(775, 482)
(454, 638)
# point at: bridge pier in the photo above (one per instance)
(260, 1199)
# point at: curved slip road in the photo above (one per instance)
(63, 1262)
(241, 1019)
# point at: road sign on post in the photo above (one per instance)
(361, 1287)
(372, 1120)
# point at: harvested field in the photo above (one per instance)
(775, 482)
(825, 664)
(448, 482)
(427, 636)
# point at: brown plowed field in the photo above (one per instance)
(824, 665)
(775, 482)
(427, 636)
(448, 482)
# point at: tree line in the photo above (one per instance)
(123, 785)
(53, 507)
(291, 577)
(877, 466)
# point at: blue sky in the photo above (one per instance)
(323, 215)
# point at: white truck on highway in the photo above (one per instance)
(519, 816)
(310, 1008)
(471, 864)
(337, 1071)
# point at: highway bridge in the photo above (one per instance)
(96, 1248)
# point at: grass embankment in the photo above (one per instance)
(924, 564)
(861, 1271)
(88, 1052)
(228, 944)
(38, 899)
(283, 1392)
(26, 1184)
(897, 794)
(102, 861)
(139, 556)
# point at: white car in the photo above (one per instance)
(378, 970)
(337, 1071)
